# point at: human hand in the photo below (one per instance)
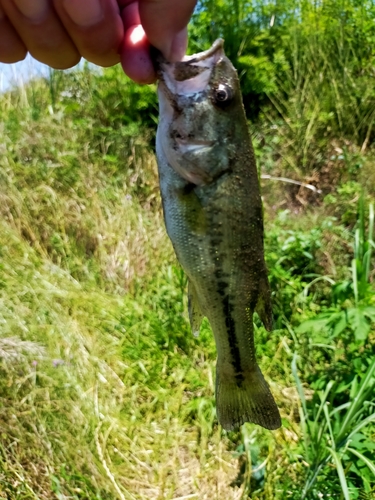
(60, 32)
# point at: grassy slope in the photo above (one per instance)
(104, 391)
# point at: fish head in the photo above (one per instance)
(200, 113)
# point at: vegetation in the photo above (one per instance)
(104, 392)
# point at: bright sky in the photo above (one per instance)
(21, 72)
(16, 74)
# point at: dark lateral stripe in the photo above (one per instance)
(230, 324)
(222, 280)
(232, 339)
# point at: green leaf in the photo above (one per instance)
(340, 325)
(364, 459)
(358, 323)
(369, 312)
(320, 322)
(312, 325)
(361, 442)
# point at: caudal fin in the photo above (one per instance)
(245, 400)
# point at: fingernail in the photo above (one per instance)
(178, 46)
(32, 9)
(85, 13)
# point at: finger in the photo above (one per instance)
(12, 49)
(95, 26)
(135, 56)
(135, 52)
(41, 32)
(164, 22)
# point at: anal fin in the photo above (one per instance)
(264, 305)
(195, 312)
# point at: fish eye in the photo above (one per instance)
(223, 94)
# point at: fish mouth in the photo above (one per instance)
(217, 47)
(187, 146)
(192, 74)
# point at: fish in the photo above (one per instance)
(214, 218)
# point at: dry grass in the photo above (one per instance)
(104, 392)
(90, 414)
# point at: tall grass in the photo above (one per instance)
(306, 71)
(105, 393)
(336, 434)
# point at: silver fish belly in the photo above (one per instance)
(213, 215)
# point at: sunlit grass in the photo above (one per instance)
(112, 396)
(104, 391)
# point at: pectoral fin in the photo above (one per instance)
(264, 306)
(195, 312)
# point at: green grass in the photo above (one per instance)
(107, 396)
(99, 393)
(104, 391)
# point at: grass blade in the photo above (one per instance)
(341, 473)
(299, 384)
(302, 411)
(371, 222)
(355, 280)
(328, 420)
(360, 426)
(357, 401)
(364, 459)
(324, 399)
(370, 240)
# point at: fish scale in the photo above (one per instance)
(213, 215)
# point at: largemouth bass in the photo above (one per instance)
(213, 215)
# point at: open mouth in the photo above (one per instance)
(186, 146)
(217, 47)
(192, 74)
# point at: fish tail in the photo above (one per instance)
(245, 398)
